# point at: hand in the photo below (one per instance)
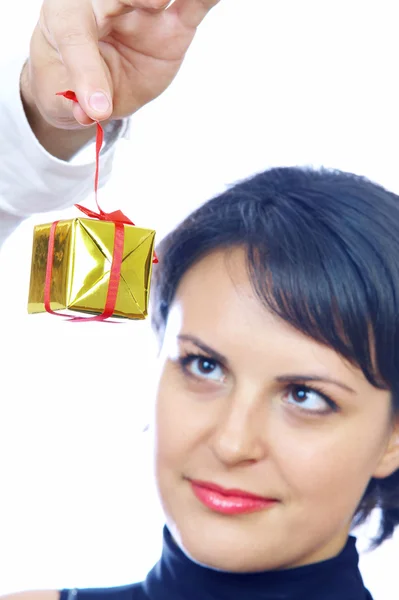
(116, 55)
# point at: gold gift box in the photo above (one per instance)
(81, 268)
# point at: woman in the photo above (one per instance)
(277, 423)
(277, 415)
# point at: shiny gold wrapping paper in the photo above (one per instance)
(81, 268)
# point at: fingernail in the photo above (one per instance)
(99, 102)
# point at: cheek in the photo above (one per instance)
(174, 418)
(326, 467)
(177, 436)
(184, 417)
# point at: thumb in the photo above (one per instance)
(70, 27)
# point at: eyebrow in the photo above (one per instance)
(204, 347)
(291, 378)
(307, 377)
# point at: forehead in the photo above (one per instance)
(217, 289)
(216, 302)
(219, 277)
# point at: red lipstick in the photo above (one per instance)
(229, 501)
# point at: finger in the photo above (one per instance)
(71, 28)
(80, 115)
(115, 8)
(192, 12)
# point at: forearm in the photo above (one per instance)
(61, 143)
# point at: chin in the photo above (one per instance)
(222, 547)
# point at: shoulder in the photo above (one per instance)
(36, 595)
(126, 592)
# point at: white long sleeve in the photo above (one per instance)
(31, 179)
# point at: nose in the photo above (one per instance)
(237, 437)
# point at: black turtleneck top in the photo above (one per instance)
(176, 577)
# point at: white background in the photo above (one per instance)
(265, 83)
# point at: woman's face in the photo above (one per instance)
(246, 402)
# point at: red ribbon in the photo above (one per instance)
(117, 217)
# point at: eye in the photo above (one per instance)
(202, 367)
(310, 400)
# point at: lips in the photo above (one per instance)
(229, 501)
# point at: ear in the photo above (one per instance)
(389, 461)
